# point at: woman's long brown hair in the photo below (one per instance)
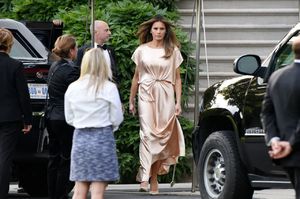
(170, 39)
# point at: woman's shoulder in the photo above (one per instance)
(176, 48)
(109, 85)
(141, 47)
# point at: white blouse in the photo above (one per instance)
(84, 108)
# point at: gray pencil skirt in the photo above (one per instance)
(93, 155)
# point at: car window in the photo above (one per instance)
(285, 55)
(20, 48)
(18, 51)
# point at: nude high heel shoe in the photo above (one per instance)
(143, 186)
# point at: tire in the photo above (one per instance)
(33, 178)
(221, 173)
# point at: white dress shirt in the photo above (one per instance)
(106, 55)
(85, 109)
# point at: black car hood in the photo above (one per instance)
(227, 94)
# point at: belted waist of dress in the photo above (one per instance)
(147, 86)
(153, 80)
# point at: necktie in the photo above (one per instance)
(104, 46)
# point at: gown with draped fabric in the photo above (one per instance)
(161, 136)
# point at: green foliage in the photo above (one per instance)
(76, 22)
(128, 148)
(5, 9)
(34, 9)
(5, 5)
(124, 17)
(40, 10)
(168, 4)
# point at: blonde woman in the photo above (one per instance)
(93, 107)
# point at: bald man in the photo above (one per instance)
(281, 117)
(101, 35)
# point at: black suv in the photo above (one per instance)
(30, 164)
(228, 144)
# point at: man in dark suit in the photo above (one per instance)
(101, 35)
(281, 117)
(15, 110)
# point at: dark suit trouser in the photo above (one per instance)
(9, 132)
(60, 144)
(294, 175)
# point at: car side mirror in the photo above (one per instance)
(248, 65)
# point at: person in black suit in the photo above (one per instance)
(15, 114)
(281, 117)
(61, 74)
(101, 35)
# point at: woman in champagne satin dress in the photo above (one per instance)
(158, 83)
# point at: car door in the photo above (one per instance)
(254, 142)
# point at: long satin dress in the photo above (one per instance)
(161, 137)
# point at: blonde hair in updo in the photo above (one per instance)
(94, 64)
(63, 45)
(6, 40)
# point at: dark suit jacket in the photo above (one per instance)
(14, 94)
(64, 73)
(111, 52)
(281, 110)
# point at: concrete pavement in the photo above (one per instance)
(179, 190)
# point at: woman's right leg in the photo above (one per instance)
(143, 186)
(145, 167)
(64, 185)
(97, 190)
(81, 190)
(9, 133)
(153, 179)
(60, 144)
(54, 160)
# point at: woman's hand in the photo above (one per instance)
(132, 108)
(178, 109)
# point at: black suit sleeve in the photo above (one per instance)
(23, 95)
(268, 117)
(72, 75)
(114, 66)
(295, 138)
(80, 54)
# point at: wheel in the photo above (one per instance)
(221, 173)
(33, 178)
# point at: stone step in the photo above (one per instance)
(251, 4)
(244, 16)
(240, 32)
(236, 47)
(219, 63)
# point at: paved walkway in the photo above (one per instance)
(179, 190)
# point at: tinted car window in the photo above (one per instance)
(22, 48)
(285, 56)
(18, 51)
